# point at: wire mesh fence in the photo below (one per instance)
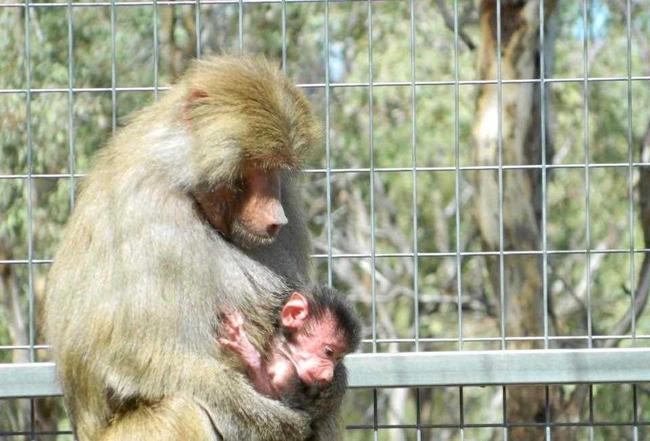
(483, 183)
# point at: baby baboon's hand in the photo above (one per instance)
(237, 341)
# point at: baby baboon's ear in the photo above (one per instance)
(295, 312)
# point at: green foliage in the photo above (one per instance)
(52, 132)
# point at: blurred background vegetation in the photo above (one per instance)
(89, 65)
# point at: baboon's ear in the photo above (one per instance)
(193, 99)
(196, 95)
(295, 311)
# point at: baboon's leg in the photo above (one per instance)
(172, 419)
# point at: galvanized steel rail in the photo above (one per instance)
(459, 368)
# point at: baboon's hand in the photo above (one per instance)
(267, 419)
(237, 341)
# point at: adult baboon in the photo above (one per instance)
(191, 209)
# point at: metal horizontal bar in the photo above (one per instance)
(440, 254)
(84, 89)
(22, 347)
(481, 368)
(39, 434)
(422, 169)
(469, 368)
(25, 261)
(477, 82)
(510, 424)
(88, 4)
(364, 85)
(19, 380)
(539, 338)
(638, 337)
(485, 253)
(442, 168)
(42, 176)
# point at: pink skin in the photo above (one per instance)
(312, 354)
(261, 210)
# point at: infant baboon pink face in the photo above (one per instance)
(316, 345)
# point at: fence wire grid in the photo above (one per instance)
(483, 185)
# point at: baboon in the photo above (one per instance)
(191, 208)
(305, 355)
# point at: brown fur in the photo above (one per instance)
(132, 295)
(171, 419)
(268, 122)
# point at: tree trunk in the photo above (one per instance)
(520, 142)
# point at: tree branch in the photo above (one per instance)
(643, 286)
(449, 22)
